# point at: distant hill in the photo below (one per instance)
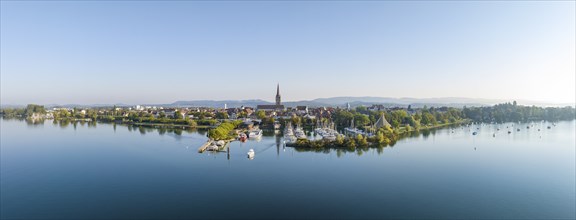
(365, 101)
(220, 104)
(329, 102)
(342, 101)
(406, 101)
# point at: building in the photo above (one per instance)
(382, 122)
(273, 108)
(375, 107)
(301, 110)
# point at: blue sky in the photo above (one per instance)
(159, 52)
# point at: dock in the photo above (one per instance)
(204, 146)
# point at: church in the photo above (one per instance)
(278, 107)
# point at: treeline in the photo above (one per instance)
(224, 131)
(126, 117)
(506, 112)
(398, 118)
(511, 112)
(402, 122)
(23, 112)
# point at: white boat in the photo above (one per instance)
(255, 133)
(213, 147)
(353, 130)
(299, 133)
(289, 134)
(250, 154)
(327, 133)
(330, 137)
(319, 131)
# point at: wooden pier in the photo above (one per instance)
(204, 146)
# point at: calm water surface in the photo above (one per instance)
(114, 171)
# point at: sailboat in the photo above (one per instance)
(353, 130)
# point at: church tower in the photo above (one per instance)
(278, 94)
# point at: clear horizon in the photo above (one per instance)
(161, 52)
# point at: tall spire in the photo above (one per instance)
(278, 101)
(278, 89)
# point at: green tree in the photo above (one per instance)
(221, 115)
(361, 120)
(296, 120)
(261, 114)
(178, 115)
(342, 118)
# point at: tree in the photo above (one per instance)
(242, 114)
(361, 141)
(361, 120)
(221, 115)
(178, 115)
(296, 120)
(362, 109)
(342, 118)
(261, 114)
(91, 113)
(31, 109)
(223, 131)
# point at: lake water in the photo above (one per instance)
(114, 171)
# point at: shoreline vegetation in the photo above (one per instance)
(226, 124)
(383, 138)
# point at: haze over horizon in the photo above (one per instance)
(159, 52)
(325, 101)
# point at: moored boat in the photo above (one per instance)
(299, 133)
(242, 137)
(255, 134)
(289, 134)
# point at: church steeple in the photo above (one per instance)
(278, 101)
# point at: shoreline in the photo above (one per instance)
(368, 142)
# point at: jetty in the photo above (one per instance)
(204, 146)
(216, 146)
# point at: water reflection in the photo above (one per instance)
(271, 138)
(34, 122)
(422, 179)
(278, 144)
(359, 151)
